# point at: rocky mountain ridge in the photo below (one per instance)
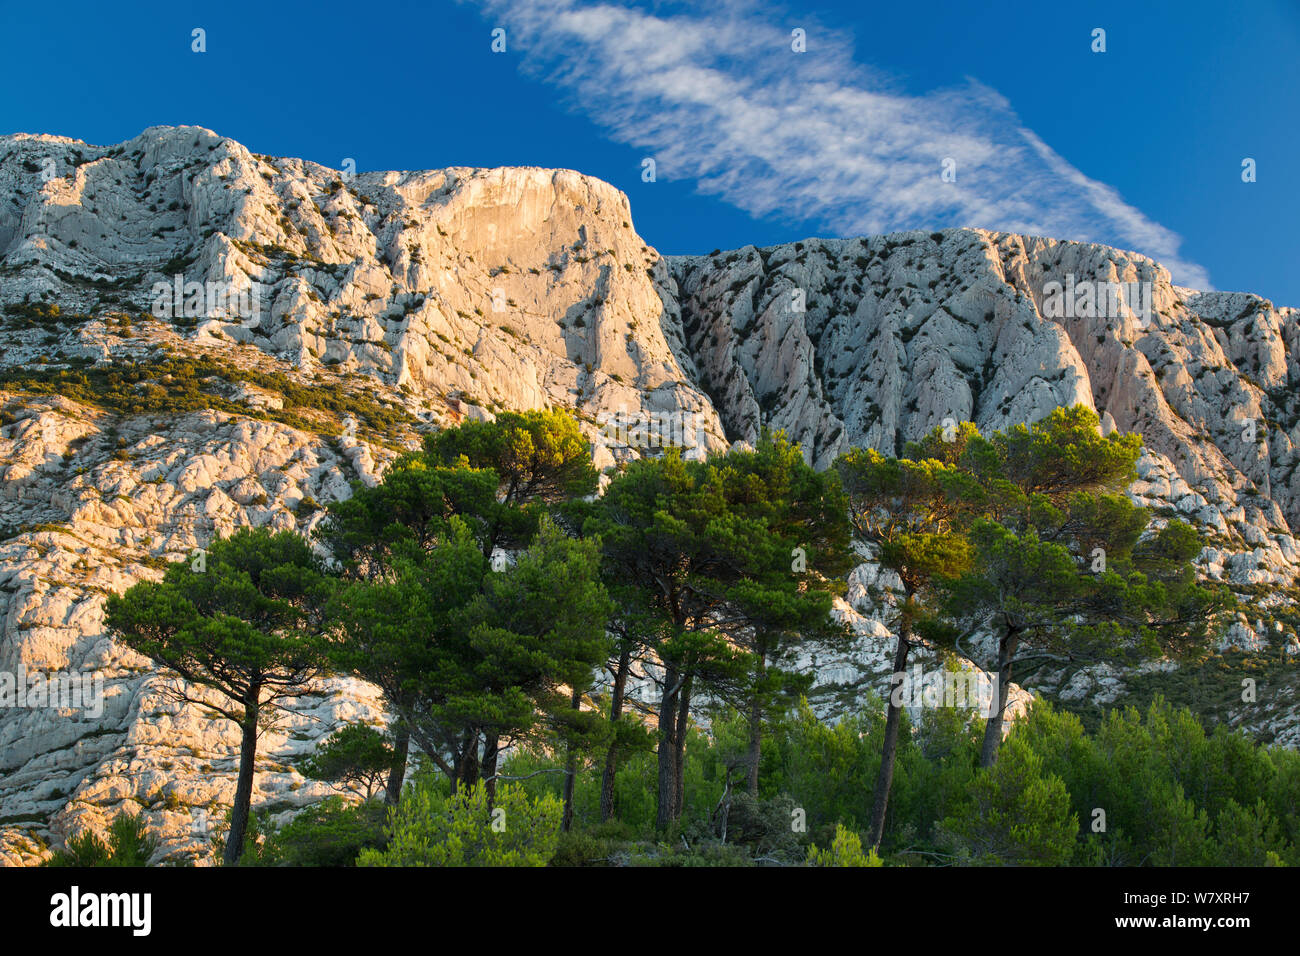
(338, 317)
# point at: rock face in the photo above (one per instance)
(438, 295)
(875, 341)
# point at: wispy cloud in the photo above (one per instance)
(720, 98)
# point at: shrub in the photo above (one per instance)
(1016, 813)
(429, 829)
(176, 385)
(357, 756)
(845, 850)
(330, 833)
(128, 845)
(764, 827)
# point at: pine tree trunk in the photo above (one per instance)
(893, 721)
(570, 772)
(993, 726)
(679, 748)
(611, 756)
(491, 753)
(667, 748)
(397, 775)
(244, 788)
(756, 726)
(467, 769)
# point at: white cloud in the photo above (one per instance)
(721, 99)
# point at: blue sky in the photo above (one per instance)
(1140, 146)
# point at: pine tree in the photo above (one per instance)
(356, 755)
(913, 510)
(1062, 564)
(488, 485)
(714, 566)
(242, 621)
(784, 605)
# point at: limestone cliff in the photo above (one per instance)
(352, 313)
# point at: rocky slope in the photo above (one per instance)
(389, 303)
